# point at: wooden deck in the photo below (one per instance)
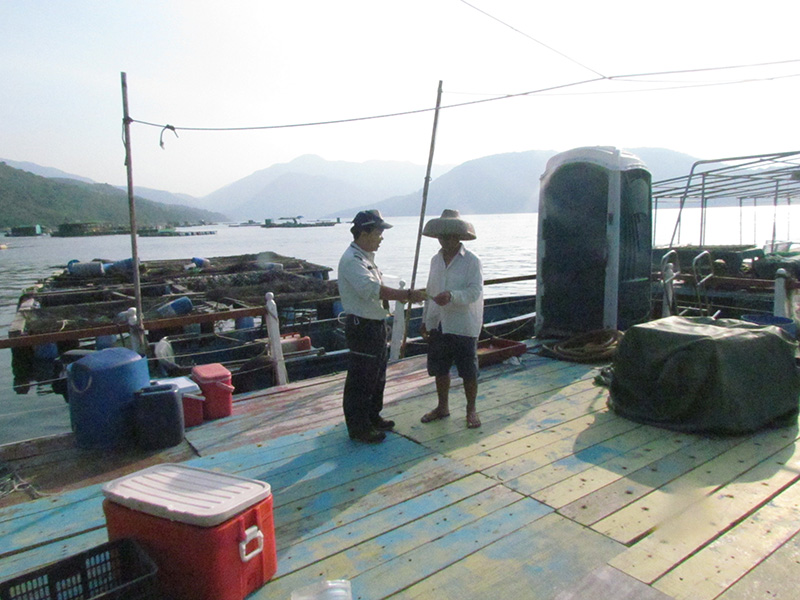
(554, 497)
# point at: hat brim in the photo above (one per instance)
(459, 228)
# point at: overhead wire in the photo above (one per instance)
(539, 91)
(533, 39)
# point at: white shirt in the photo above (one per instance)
(360, 284)
(463, 278)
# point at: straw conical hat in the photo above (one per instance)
(450, 223)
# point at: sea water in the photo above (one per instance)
(506, 244)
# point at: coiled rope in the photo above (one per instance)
(592, 346)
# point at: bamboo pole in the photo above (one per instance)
(422, 214)
(138, 330)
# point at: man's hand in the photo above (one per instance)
(443, 298)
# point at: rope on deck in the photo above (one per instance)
(592, 346)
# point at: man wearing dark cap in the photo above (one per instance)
(365, 302)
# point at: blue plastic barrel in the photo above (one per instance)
(785, 323)
(100, 392)
(86, 269)
(245, 323)
(158, 417)
(120, 266)
(179, 306)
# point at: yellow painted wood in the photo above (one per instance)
(710, 571)
(530, 461)
(611, 498)
(388, 546)
(679, 495)
(684, 534)
(523, 565)
(564, 467)
(774, 578)
(516, 430)
(598, 476)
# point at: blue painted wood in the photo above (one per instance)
(14, 565)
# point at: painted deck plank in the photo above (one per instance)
(687, 532)
(774, 578)
(505, 435)
(57, 524)
(589, 509)
(525, 564)
(531, 461)
(582, 460)
(597, 476)
(461, 529)
(652, 510)
(300, 553)
(511, 400)
(20, 563)
(353, 500)
(710, 571)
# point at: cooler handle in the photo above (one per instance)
(225, 386)
(250, 534)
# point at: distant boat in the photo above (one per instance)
(248, 223)
(296, 222)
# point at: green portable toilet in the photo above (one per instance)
(594, 242)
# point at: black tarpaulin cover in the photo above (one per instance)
(698, 374)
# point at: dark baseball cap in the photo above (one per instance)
(367, 218)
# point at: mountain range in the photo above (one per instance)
(316, 188)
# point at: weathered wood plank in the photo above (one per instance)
(506, 428)
(60, 523)
(710, 571)
(589, 509)
(297, 553)
(580, 461)
(689, 531)
(655, 509)
(353, 500)
(600, 475)
(404, 555)
(525, 564)
(775, 577)
(531, 461)
(14, 565)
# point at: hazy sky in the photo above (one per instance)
(248, 63)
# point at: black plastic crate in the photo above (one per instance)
(118, 569)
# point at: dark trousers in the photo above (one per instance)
(366, 372)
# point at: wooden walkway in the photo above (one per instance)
(554, 497)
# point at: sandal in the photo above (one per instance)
(473, 421)
(434, 415)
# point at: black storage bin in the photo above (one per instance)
(115, 570)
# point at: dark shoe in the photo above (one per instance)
(383, 425)
(371, 436)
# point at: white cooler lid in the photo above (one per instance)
(186, 494)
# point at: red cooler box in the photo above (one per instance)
(215, 382)
(210, 534)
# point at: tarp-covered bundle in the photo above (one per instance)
(698, 374)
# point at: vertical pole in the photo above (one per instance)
(274, 334)
(614, 216)
(422, 213)
(126, 123)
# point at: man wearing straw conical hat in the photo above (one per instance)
(365, 302)
(453, 314)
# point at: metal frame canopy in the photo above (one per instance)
(773, 176)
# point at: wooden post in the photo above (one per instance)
(138, 330)
(422, 214)
(274, 333)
